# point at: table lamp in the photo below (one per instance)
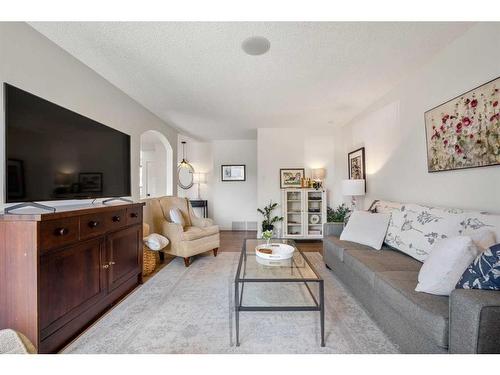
(353, 188)
(199, 178)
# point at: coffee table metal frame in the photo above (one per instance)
(238, 292)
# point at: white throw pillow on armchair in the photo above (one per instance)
(366, 228)
(176, 217)
(448, 260)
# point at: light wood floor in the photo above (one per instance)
(233, 240)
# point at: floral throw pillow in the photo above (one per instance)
(484, 272)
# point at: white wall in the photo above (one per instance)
(235, 200)
(227, 201)
(392, 130)
(33, 63)
(293, 148)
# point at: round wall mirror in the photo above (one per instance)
(185, 174)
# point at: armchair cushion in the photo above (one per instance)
(201, 222)
(194, 233)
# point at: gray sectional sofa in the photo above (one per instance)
(384, 282)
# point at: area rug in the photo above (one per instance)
(190, 310)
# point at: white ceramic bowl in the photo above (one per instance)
(280, 251)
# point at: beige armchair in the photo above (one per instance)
(196, 237)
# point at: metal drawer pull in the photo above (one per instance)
(134, 215)
(105, 266)
(116, 219)
(93, 224)
(112, 263)
(61, 231)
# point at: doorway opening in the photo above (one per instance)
(156, 168)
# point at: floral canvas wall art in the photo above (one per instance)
(465, 131)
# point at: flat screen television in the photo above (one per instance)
(53, 153)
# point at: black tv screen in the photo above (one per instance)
(53, 153)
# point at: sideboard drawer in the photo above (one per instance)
(58, 232)
(92, 225)
(116, 219)
(134, 215)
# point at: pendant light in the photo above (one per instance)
(185, 171)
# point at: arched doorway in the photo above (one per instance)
(156, 168)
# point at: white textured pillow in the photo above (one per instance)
(176, 216)
(156, 241)
(448, 260)
(482, 238)
(366, 228)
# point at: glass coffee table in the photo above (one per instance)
(277, 285)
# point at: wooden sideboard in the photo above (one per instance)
(60, 271)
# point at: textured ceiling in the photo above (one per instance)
(195, 76)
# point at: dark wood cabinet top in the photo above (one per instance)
(34, 214)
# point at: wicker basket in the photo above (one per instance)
(150, 259)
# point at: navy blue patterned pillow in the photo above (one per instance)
(484, 272)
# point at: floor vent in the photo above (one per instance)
(244, 225)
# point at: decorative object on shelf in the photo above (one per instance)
(314, 219)
(199, 178)
(267, 235)
(90, 182)
(274, 251)
(356, 164)
(291, 177)
(268, 222)
(353, 188)
(185, 171)
(233, 172)
(465, 131)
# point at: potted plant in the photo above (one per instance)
(268, 222)
(335, 218)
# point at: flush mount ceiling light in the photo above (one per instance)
(256, 45)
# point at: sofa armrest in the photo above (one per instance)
(474, 321)
(172, 231)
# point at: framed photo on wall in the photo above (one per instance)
(233, 172)
(291, 177)
(464, 132)
(356, 164)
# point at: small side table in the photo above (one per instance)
(200, 203)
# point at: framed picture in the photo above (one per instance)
(291, 177)
(15, 178)
(90, 182)
(233, 172)
(464, 132)
(356, 164)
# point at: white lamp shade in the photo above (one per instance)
(318, 174)
(200, 178)
(353, 187)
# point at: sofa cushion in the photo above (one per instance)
(338, 246)
(427, 313)
(366, 263)
(195, 233)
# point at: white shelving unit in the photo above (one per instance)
(304, 212)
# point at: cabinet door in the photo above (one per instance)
(124, 255)
(71, 280)
(293, 221)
